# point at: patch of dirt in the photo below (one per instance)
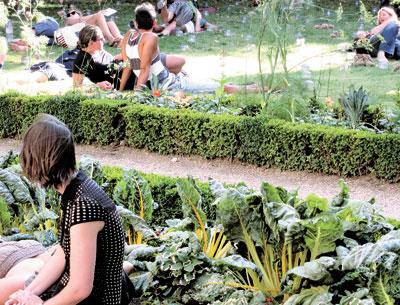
(361, 188)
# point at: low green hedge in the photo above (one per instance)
(286, 145)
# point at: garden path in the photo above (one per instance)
(361, 188)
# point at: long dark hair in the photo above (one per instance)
(48, 152)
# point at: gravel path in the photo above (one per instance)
(361, 188)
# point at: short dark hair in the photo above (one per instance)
(48, 152)
(87, 34)
(144, 19)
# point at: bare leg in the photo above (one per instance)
(174, 63)
(230, 88)
(114, 29)
(9, 285)
(99, 20)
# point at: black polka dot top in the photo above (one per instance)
(84, 201)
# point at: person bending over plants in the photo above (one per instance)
(89, 269)
(380, 41)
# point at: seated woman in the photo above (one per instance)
(89, 269)
(381, 38)
(101, 67)
(109, 29)
(141, 49)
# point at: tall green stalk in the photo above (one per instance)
(273, 37)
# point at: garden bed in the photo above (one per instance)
(228, 245)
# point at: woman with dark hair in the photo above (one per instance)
(89, 269)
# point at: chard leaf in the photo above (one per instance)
(178, 224)
(314, 205)
(321, 234)
(343, 197)
(191, 202)
(379, 290)
(316, 270)
(91, 168)
(313, 296)
(142, 281)
(141, 252)
(271, 193)
(6, 193)
(17, 187)
(134, 193)
(138, 223)
(360, 297)
(229, 203)
(379, 252)
(235, 261)
(8, 159)
(282, 218)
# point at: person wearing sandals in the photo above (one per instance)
(109, 29)
(89, 266)
(380, 40)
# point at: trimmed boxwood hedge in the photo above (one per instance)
(289, 146)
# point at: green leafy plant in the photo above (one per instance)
(354, 103)
(214, 242)
(5, 215)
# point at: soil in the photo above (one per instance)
(361, 188)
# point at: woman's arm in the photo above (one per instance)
(82, 264)
(379, 28)
(49, 274)
(126, 72)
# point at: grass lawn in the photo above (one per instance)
(233, 56)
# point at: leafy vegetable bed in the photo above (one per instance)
(230, 244)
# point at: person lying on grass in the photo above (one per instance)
(21, 261)
(381, 40)
(102, 68)
(140, 48)
(89, 269)
(108, 28)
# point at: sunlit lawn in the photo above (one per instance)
(329, 72)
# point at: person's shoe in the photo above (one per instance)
(161, 4)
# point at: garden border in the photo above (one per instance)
(289, 146)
